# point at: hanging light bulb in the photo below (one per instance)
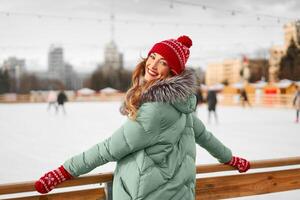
(233, 13)
(204, 7)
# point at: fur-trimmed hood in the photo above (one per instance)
(178, 91)
(171, 90)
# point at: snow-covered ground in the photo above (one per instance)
(33, 141)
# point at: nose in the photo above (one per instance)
(153, 65)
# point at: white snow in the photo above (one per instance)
(109, 90)
(33, 141)
(86, 91)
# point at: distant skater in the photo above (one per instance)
(51, 99)
(296, 103)
(244, 98)
(61, 99)
(199, 98)
(212, 104)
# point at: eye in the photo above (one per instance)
(152, 56)
(164, 63)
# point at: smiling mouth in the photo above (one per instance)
(151, 72)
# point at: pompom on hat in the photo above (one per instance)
(175, 52)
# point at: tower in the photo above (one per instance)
(56, 63)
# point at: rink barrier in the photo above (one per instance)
(212, 187)
(264, 100)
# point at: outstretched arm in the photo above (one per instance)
(130, 137)
(208, 141)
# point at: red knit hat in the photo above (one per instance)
(175, 52)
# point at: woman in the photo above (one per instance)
(296, 103)
(155, 148)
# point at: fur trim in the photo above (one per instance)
(171, 90)
(177, 88)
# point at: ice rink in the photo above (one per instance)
(33, 140)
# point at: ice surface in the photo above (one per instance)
(33, 141)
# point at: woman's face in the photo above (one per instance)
(156, 67)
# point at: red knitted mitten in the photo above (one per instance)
(240, 163)
(47, 182)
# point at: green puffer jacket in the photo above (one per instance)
(156, 153)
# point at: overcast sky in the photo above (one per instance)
(82, 28)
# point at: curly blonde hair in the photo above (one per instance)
(138, 86)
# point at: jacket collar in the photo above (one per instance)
(174, 89)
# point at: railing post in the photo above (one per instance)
(108, 190)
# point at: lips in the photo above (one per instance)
(151, 72)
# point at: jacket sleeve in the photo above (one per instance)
(209, 142)
(130, 137)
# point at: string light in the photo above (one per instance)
(232, 12)
(152, 23)
(131, 21)
(172, 2)
(49, 16)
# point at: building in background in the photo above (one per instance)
(228, 71)
(59, 70)
(214, 73)
(276, 53)
(56, 65)
(15, 68)
(113, 59)
(291, 32)
(110, 73)
(72, 79)
(235, 70)
(258, 70)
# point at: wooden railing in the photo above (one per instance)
(215, 187)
